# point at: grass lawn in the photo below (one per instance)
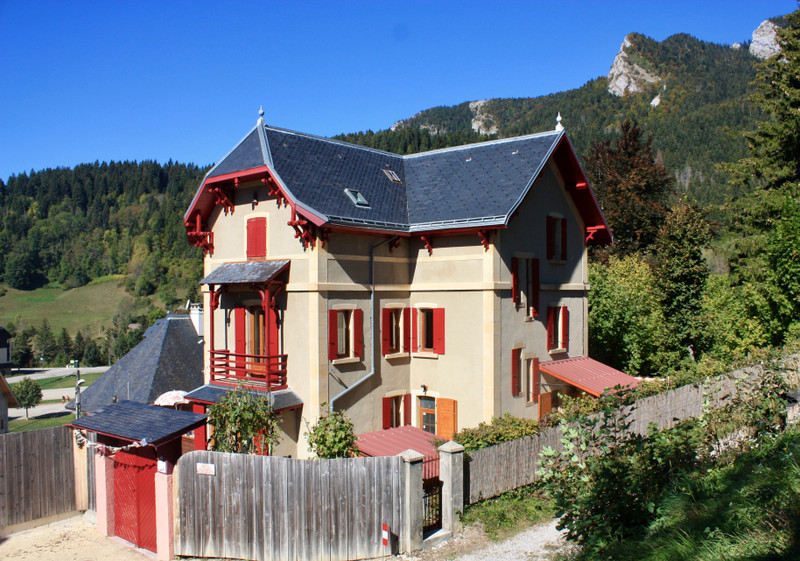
(65, 382)
(88, 308)
(43, 422)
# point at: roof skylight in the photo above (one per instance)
(357, 198)
(392, 175)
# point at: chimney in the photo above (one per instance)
(196, 315)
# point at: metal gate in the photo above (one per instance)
(135, 497)
(431, 505)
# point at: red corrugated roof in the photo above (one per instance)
(391, 442)
(588, 374)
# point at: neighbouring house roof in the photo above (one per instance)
(139, 422)
(212, 393)
(391, 442)
(588, 374)
(5, 389)
(170, 357)
(473, 186)
(246, 273)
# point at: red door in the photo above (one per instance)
(240, 343)
(135, 497)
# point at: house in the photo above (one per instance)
(436, 290)
(169, 357)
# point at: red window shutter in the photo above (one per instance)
(551, 328)
(534, 294)
(549, 235)
(333, 338)
(407, 409)
(256, 237)
(535, 382)
(387, 413)
(414, 329)
(515, 280)
(515, 385)
(564, 239)
(386, 330)
(406, 330)
(358, 333)
(564, 343)
(438, 331)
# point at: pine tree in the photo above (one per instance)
(631, 186)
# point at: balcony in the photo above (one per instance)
(257, 372)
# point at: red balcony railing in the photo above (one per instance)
(258, 372)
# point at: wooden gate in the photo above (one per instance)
(135, 497)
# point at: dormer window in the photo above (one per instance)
(392, 175)
(357, 198)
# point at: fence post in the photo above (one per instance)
(451, 473)
(411, 537)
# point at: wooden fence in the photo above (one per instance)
(262, 508)
(37, 478)
(508, 465)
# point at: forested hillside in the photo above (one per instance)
(703, 107)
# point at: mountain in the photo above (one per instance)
(691, 95)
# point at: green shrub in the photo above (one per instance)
(501, 429)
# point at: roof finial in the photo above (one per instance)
(260, 115)
(559, 126)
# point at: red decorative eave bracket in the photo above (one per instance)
(484, 235)
(428, 243)
(198, 238)
(302, 230)
(222, 197)
(274, 190)
(591, 231)
(581, 185)
(394, 244)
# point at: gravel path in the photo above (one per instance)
(537, 543)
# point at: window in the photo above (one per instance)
(257, 237)
(438, 416)
(395, 330)
(396, 411)
(357, 198)
(345, 334)
(557, 237)
(558, 328)
(533, 379)
(428, 333)
(393, 177)
(516, 381)
(525, 284)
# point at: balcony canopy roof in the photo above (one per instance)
(588, 374)
(246, 273)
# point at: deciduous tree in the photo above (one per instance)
(28, 394)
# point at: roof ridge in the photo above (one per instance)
(336, 141)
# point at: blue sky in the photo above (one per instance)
(123, 80)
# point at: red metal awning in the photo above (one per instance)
(587, 374)
(391, 442)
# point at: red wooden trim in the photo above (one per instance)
(406, 330)
(515, 280)
(516, 387)
(386, 330)
(414, 329)
(333, 336)
(534, 295)
(563, 239)
(484, 236)
(438, 331)
(387, 413)
(551, 335)
(428, 241)
(407, 409)
(549, 236)
(244, 175)
(536, 380)
(358, 333)
(564, 342)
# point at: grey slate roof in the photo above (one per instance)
(212, 393)
(473, 185)
(246, 273)
(168, 358)
(139, 422)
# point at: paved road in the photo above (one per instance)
(41, 374)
